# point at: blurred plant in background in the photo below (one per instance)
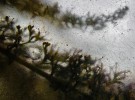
(53, 13)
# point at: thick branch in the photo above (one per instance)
(28, 65)
(60, 83)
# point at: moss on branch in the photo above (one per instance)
(71, 73)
